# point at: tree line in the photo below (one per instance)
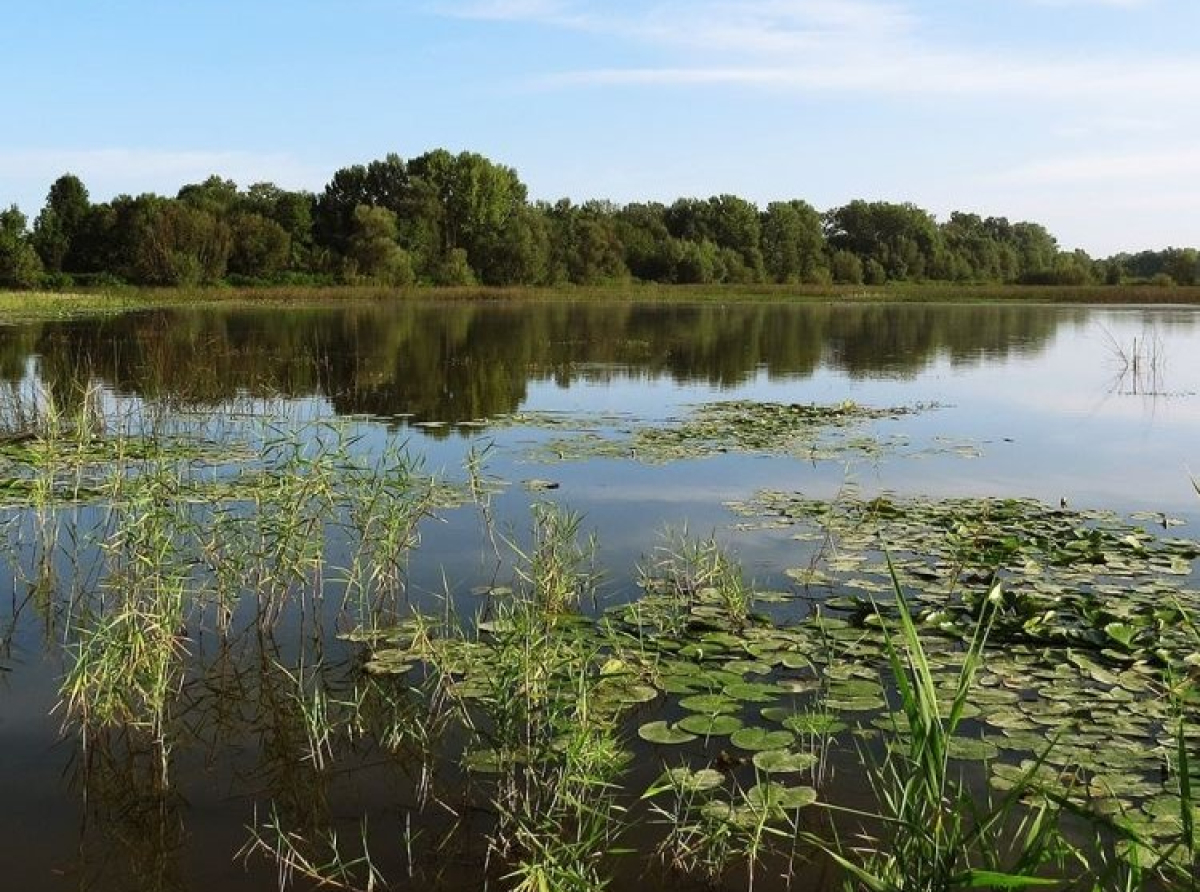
(447, 219)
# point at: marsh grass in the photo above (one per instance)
(709, 831)
(1140, 366)
(322, 860)
(933, 832)
(35, 305)
(688, 572)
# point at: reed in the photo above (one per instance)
(933, 834)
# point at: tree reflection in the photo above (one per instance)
(453, 362)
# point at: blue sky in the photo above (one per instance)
(1080, 114)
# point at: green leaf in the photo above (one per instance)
(661, 733)
(991, 879)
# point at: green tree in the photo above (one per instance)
(585, 245)
(902, 238)
(59, 222)
(261, 248)
(454, 269)
(793, 244)
(373, 248)
(474, 197)
(1182, 265)
(646, 242)
(215, 196)
(176, 243)
(518, 253)
(333, 211)
(725, 220)
(846, 268)
(1036, 249)
(293, 211)
(698, 263)
(972, 250)
(20, 266)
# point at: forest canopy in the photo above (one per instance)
(447, 219)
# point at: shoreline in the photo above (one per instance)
(33, 305)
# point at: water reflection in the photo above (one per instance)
(459, 361)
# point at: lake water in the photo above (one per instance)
(1087, 407)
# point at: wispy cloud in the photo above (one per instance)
(846, 45)
(1114, 4)
(1154, 166)
(776, 26)
(901, 71)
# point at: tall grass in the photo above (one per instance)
(933, 834)
(542, 736)
(128, 661)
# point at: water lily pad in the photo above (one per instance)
(695, 781)
(783, 761)
(755, 739)
(661, 733)
(636, 693)
(752, 692)
(819, 724)
(710, 725)
(972, 750)
(710, 704)
(772, 796)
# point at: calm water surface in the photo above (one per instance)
(1034, 401)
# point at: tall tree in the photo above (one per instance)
(176, 243)
(260, 248)
(646, 241)
(518, 253)
(215, 196)
(20, 266)
(373, 247)
(476, 197)
(793, 242)
(728, 222)
(902, 238)
(58, 224)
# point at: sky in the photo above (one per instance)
(1078, 114)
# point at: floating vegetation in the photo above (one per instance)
(1051, 648)
(804, 430)
(1080, 579)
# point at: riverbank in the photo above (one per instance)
(27, 305)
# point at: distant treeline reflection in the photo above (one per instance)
(461, 361)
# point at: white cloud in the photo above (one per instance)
(909, 71)
(1114, 4)
(1177, 164)
(846, 45)
(507, 9)
(775, 26)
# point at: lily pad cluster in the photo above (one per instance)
(1082, 579)
(1092, 651)
(1087, 677)
(812, 431)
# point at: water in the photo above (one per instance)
(1039, 401)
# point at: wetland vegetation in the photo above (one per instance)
(296, 619)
